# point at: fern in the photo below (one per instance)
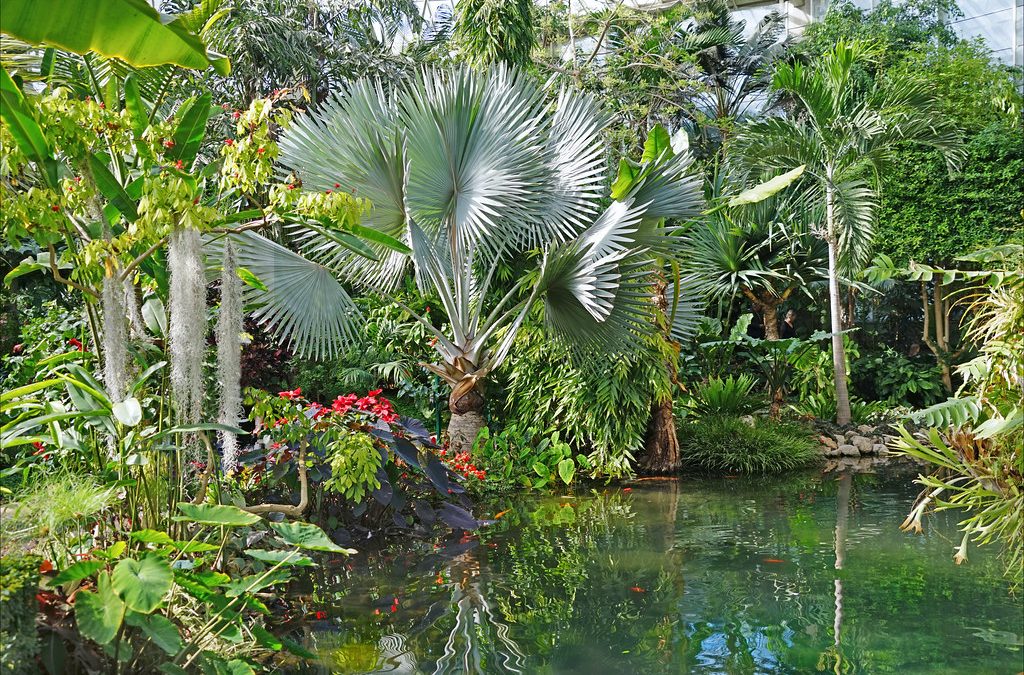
(954, 412)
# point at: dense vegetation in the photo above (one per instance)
(249, 321)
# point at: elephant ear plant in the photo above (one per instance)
(470, 171)
(153, 602)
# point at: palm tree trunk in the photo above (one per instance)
(836, 311)
(467, 419)
(661, 449)
(770, 318)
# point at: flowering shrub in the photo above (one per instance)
(358, 446)
(462, 464)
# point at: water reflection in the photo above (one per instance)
(805, 574)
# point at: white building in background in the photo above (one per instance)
(999, 22)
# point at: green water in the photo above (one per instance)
(690, 576)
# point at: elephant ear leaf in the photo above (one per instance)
(657, 146)
(759, 193)
(99, 614)
(143, 583)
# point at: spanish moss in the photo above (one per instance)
(187, 330)
(229, 373)
(115, 361)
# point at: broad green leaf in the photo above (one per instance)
(307, 536)
(566, 470)
(157, 628)
(266, 639)
(626, 178)
(26, 266)
(18, 116)
(130, 30)
(110, 188)
(191, 130)
(194, 546)
(136, 107)
(282, 557)
(155, 316)
(254, 583)
(540, 469)
(768, 188)
(143, 583)
(216, 514)
(27, 389)
(99, 614)
(151, 537)
(378, 237)
(250, 279)
(77, 572)
(112, 552)
(128, 412)
(657, 146)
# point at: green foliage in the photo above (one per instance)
(928, 216)
(354, 462)
(822, 406)
(528, 457)
(601, 409)
(728, 444)
(19, 641)
(890, 376)
(495, 31)
(729, 396)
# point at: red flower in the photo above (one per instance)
(291, 395)
(291, 186)
(45, 566)
(327, 192)
(17, 349)
(76, 343)
(229, 141)
(225, 106)
(321, 614)
(179, 165)
(337, 185)
(375, 392)
(236, 114)
(260, 151)
(168, 144)
(55, 208)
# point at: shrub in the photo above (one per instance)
(720, 443)
(823, 407)
(19, 642)
(726, 396)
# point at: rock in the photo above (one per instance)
(832, 452)
(866, 429)
(880, 449)
(863, 444)
(847, 450)
(840, 439)
(828, 442)
(748, 420)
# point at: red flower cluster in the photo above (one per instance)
(291, 395)
(372, 403)
(40, 450)
(461, 462)
(76, 343)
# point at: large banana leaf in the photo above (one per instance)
(130, 30)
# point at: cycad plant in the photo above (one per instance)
(845, 132)
(466, 171)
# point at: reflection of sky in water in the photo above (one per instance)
(715, 650)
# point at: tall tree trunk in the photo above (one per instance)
(661, 449)
(836, 311)
(770, 318)
(467, 419)
(661, 446)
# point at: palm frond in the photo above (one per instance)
(301, 301)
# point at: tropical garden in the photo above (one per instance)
(364, 336)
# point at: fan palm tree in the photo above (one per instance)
(764, 252)
(845, 132)
(465, 172)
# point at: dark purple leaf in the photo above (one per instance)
(424, 512)
(384, 492)
(407, 451)
(415, 427)
(438, 474)
(456, 516)
(399, 520)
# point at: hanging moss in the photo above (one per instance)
(115, 336)
(187, 330)
(229, 355)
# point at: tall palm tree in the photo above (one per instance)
(466, 171)
(845, 131)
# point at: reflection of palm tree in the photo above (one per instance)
(474, 621)
(842, 522)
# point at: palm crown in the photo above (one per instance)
(466, 170)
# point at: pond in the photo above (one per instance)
(798, 574)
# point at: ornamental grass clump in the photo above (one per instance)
(720, 443)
